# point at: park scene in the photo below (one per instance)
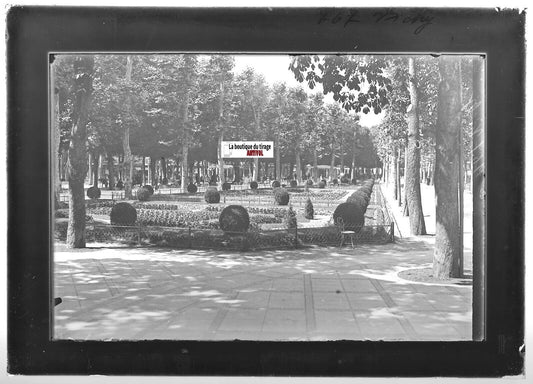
(348, 214)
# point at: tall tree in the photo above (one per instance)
(447, 255)
(189, 70)
(277, 118)
(77, 154)
(412, 171)
(128, 158)
(220, 73)
(56, 134)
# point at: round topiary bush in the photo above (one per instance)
(335, 181)
(149, 188)
(351, 215)
(164, 181)
(345, 180)
(254, 185)
(226, 186)
(309, 182)
(294, 183)
(120, 185)
(281, 196)
(94, 193)
(276, 184)
(234, 218)
(123, 214)
(191, 188)
(309, 210)
(143, 194)
(212, 196)
(321, 184)
(354, 181)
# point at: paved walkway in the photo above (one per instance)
(306, 294)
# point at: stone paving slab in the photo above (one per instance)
(311, 294)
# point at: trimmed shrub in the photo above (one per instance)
(345, 180)
(226, 186)
(234, 218)
(164, 181)
(309, 210)
(360, 199)
(354, 181)
(123, 214)
(212, 196)
(94, 193)
(352, 215)
(149, 188)
(120, 185)
(191, 188)
(213, 183)
(143, 194)
(290, 218)
(253, 185)
(281, 196)
(321, 184)
(276, 184)
(309, 182)
(335, 182)
(294, 183)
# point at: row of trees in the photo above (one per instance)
(428, 104)
(182, 107)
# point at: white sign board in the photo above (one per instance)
(247, 149)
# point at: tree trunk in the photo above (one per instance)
(143, 170)
(96, 169)
(354, 148)
(56, 137)
(298, 165)
(278, 160)
(90, 171)
(256, 169)
(151, 171)
(412, 170)
(405, 204)
(77, 154)
(221, 175)
(478, 191)
(394, 169)
(315, 165)
(111, 170)
(127, 162)
(398, 182)
(332, 163)
(164, 169)
(446, 259)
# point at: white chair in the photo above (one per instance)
(345, 233)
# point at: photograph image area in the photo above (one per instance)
(265, 196)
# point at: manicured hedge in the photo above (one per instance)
(352, 215)
(94, 193)
(234, 218)
(123, 214)
(281, 196)
(149, 188)
(212, 196)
